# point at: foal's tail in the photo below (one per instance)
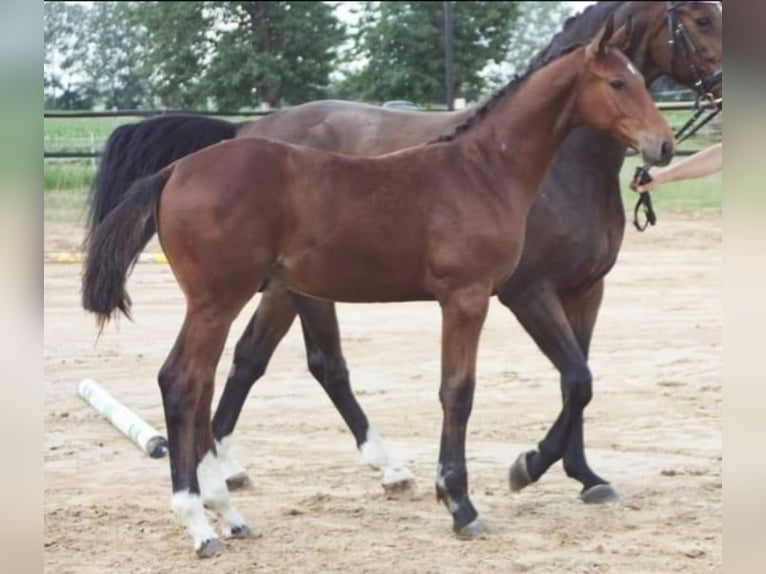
(114, 245)
(139, 149)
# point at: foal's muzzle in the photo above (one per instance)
(657, 151)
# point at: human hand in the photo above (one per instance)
(643, 182)
(651, 185)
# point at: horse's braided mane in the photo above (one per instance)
(508, 90)
(544, 57)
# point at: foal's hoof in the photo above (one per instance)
(397, 481)
(241, 532)
(519, 475)
(599, 494)
(210, 548)
(239, 481)
(474, 530)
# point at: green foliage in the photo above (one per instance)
(92, 55)
(537, 24)
(64, 35)
(276, 52)
(239, 53)
(177, 45)
(114, 55)
(403, 43)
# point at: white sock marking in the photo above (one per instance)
(189, 511)
(229, 465)
(375, 454)
(441, 482)
(215, 495)
(373, 451)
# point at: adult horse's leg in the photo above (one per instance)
(269, 324)
(186, 382)
(463, 314)
(543, 315)
(582, 308)
(328, 366)
(271, 321)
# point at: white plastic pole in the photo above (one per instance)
(126, 421)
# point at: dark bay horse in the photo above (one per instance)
(443, 221)
(573, 234)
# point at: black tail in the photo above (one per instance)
(143, 148)
(114, 246)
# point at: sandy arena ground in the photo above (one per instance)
(653, 429)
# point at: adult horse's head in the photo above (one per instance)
(682, 40)
(613, 98)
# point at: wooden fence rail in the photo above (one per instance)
(91, 154)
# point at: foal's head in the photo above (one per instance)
(613, 98)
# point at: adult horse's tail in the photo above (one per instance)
(114, 246)
(143, 148)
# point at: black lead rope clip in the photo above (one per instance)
(642, 177)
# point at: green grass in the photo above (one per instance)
(78, 134)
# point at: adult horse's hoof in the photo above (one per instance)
(599, 494)
(210, 548)
(241, 532)
(476, 529)
(239, 481)
(397, 481)
(518, 477)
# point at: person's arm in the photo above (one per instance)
(701, 164)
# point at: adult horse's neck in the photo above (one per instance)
(523, 128)
(647, 20)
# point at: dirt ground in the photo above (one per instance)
(653, 429)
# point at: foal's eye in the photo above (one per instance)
(617, 83)
(703, 23)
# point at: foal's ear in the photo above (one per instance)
(601, 41)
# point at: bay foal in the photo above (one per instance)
(247, 211)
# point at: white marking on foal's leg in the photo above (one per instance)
(189, 511)
(215, 495)
(441, 484)
(373, 451)
(396, 475)
(230, 468)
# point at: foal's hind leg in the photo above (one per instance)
(541, 313)
(269, 324)
(212, 483)
(186, 382)
(327, 364)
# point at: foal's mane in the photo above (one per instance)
(576, 32)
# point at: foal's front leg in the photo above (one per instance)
(463, 314)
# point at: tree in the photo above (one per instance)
(178, 45)
(115, 52)
(92, 53)
(536, 25)
(404, 48)
(274, 52)
(65, 43)
(240, 53)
